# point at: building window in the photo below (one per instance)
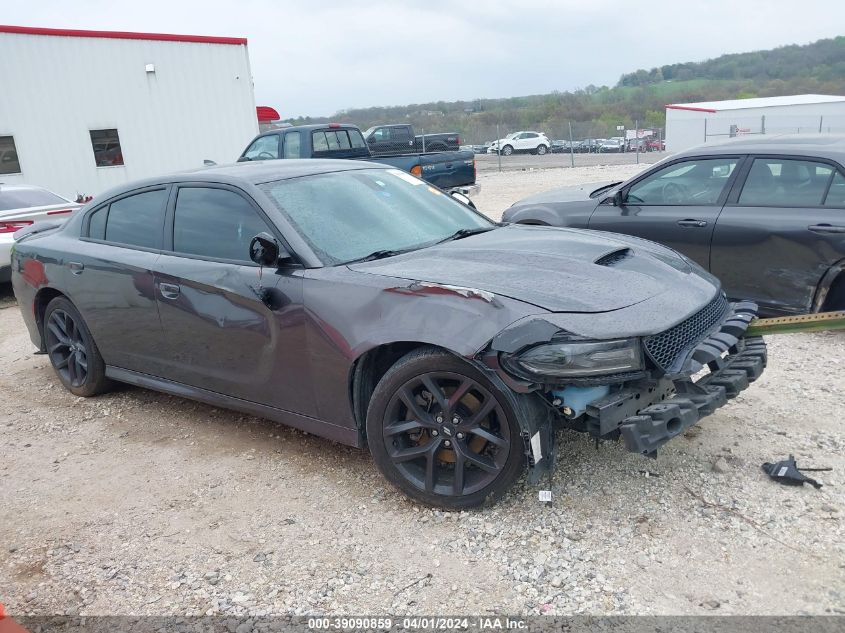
(9, 163)
(106, 144)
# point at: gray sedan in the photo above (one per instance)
(766, 215)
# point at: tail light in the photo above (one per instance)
(416, 170)
(459, 140)
(474, 172)
(14, 225)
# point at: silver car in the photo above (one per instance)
(21, 206)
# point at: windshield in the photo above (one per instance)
(348, 215)
(25, 198)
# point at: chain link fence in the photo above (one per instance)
(572, 139)
(716, 129)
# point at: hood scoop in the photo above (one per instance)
(614, 257)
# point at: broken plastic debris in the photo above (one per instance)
(786, 472)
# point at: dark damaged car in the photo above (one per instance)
(359, 303)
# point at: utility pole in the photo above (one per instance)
(637, 139)
(498, 146)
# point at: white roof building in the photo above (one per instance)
(86, 110)
(691, 124)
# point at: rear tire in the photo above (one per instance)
(72, 350)
(442, 433)
(835, 300)
(542, 149)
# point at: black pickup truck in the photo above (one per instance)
(399, 138)
(450, 170)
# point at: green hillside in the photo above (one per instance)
(639, 96)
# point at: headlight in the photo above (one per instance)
(578, 359)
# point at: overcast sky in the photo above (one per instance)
(320, 56)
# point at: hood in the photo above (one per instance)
(566, 194)
(559, 270)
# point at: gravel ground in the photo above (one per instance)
(142, 503)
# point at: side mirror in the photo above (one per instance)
(457, 195)
(618, 199)
(208, 163)
(371, 139)
(264, 250)
(243, 159)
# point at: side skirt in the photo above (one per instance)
(330, 431)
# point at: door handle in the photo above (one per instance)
(169, 291)
(76, 267)
(696, 223)
(826, 228)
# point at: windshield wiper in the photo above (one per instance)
(462, 233)
(375, 255)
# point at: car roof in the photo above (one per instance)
(22, 188)
(310, 126)
(250, 173)
(822, 145)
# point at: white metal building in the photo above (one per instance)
(690, 124)
(81, 111)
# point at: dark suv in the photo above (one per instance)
(765, 215)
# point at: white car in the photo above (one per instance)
(22, 206)
(516, 142)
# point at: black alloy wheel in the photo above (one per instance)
(66, 348)
(442, 435)
(72, 351)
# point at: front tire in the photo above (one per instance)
(72, 350)
(442, 433)
(507, 150)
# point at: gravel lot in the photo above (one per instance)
(142, 503)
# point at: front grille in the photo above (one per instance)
(665, 348)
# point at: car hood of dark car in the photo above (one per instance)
(566, 194)
(559, 270)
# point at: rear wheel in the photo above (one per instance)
(440, 431)
(542, 149)
(835, 300)
(72, 350)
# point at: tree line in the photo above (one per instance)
(639, 98)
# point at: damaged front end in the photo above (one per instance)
(645, 389)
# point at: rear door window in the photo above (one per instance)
(136, 220)
(783, 182)
(293, 145)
